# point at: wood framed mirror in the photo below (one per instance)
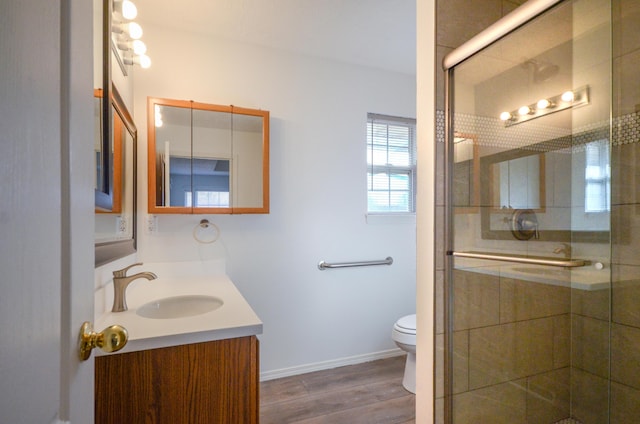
(207, 159)
(102, 90)
(115, 152)
(115, 230)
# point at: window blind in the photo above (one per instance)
(391, 164)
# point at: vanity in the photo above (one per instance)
(191, 357)
(185, 349)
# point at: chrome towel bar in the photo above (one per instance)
(322, 265)
(535, 260)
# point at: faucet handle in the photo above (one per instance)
(123, 272)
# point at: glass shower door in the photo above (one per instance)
(529, 175)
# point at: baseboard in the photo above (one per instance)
(326, 365)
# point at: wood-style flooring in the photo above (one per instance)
(368, 393)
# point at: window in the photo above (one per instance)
(207, 199)
(597, 177)
(391, 164)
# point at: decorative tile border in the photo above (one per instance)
(491, 131)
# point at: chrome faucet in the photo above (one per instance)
(120, 283)
(565, 248)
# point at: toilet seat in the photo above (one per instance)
(406, 325)
(404, 331)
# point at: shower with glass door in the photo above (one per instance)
(542, 279)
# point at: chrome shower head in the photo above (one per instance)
(542, 71)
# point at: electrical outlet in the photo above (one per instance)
(121, 224)
(152, 224)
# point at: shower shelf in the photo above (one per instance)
(535, 260)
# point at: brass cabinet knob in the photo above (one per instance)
(111, 339)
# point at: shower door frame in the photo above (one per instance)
(522, 15)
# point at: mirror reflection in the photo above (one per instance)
(518, 183)
(115, 228)
(207, 158)
(570, 202)
(97, 141)
(466, 193)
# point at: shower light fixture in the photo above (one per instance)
(543, 104)
(524, 110)
(505, 116)
(568, 99)
(567, 96)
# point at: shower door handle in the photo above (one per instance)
(521, 259)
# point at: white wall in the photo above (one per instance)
(318, 195)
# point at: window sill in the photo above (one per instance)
(389, 218)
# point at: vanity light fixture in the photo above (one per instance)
(143, 60)
(524, 110)
(543, 104)
(158, 116)
(505, 116)
(136, 46)
(567, 100)
(126, 43)
(567, 96)
(125, 8)
(131, 30)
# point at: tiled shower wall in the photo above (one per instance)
(459, 20)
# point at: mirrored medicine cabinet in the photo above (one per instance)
(207, 159)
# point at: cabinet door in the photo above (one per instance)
(209, 383)
(207, 159)
(248, 162)
(212, 157)
(170, 160)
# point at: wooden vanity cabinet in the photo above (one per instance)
(212, 382)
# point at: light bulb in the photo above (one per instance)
(159, 122)
(524, 110)
(145, 61)
(139, 47)
(505, 116)
(567, 96)
(128, 10)
(134, 30)
(543, 104)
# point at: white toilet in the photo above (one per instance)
(404, 334)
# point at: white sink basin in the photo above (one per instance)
(179, 307)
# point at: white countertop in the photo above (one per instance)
(234, 318)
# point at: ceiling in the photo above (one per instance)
(375, 33)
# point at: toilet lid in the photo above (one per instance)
(407, 324)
